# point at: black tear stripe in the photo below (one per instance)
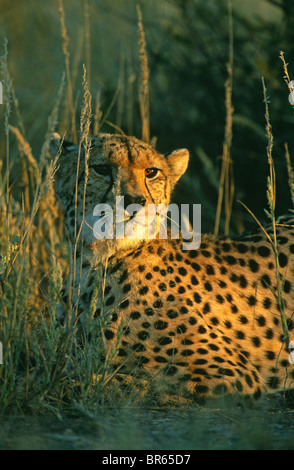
(149, 192)
(103, 200)
(130, 156)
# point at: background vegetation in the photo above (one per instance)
(206, 64)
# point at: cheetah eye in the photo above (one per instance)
(151, 173)
(103, 170)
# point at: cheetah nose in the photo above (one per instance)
(129, 199)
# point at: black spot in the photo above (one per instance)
(197, 298)
(135, 315)
(265, 281)
(252, 300)
(233, 277)
(248, 380)
(228, 372)
(160, 325)
(243, 319)
(123, 277)
(143, 290)
(170, 298)
(108, 334)
(162, 286)
(158, 303)
(170, 370)
(206, 308)
(287, 287)
(220, 389)
(202, 351)
(121, 352)
(139, 347)
(192, 321)
(208, 286)
(253, 265)
(209, 269)
(160, 359)
(222, 284)
(110, 300)
(263, 251)
(186, 341)
(97, 313)
(273, 382)
(116, 267)
(201, 329)
(270, 355)
(240, 334)
(242, 248)
(143, 335)
(206, 253)
(187, 352)
(164, 340)
(181, 290)
(149, 311)
(239, 386)
(194, 280)
(218, 359)
(172, 314)
(256, 341)
(182, 271)
(127, 288)
(183, 310)
(148, 276)
(261, 320)
(181, 328)
(196, 266)
(230, 260)
(226, 247)
(269, 333)
(267, 303)
(200, 371)
(125, 304)
(283, 260)
(219, 299)
(242, 281)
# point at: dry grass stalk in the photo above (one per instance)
(85, 123)
(271, 196)
(144, 84)
(227, 186)
(65, 42)
(290, 173)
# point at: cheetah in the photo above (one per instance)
(199, 322)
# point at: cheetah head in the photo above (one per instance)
(112, 168)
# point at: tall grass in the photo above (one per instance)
(48, 366)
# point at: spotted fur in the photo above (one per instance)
(198, 323)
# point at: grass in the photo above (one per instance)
(47, 367)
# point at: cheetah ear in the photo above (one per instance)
(178, 162)
(60, 146)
